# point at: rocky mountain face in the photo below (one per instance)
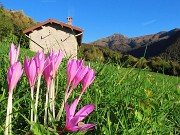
(122, 44)
(156, 43)
(167, 48)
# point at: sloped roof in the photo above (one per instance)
(29, 30)
(73, 28)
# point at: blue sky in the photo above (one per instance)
(102, 18)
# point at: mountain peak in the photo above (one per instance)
(117, 35)
(123, 44)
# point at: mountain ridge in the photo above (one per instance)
(133, 46)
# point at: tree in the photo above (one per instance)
(12, 24)
(6, 27)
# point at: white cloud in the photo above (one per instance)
(149, 22)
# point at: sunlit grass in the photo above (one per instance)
(128, 101)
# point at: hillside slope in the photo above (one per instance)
(164, 44)
(168, 49)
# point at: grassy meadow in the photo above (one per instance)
(128, 101)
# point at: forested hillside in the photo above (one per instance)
(12, 23)
(106, 55)
(167, 49)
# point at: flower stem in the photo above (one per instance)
(50, 96)
(32, 100)
(69, 93)
(10, 114)
(46, 106)
(60, 111)
(80, 96)
(53, 97)
(37, 96)
(58, 117)
(8, 121)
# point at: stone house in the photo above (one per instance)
(56, 35)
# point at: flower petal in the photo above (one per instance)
(86, 127)
(15, 72)
(72, 109)
(72, 69)
(84, 112)
(13, 54)
(67, 111)
(48, 71)
(88, 79)
(30, 70)
(79, 75)
(40, 60)
(59, 59)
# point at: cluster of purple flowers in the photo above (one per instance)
(48, 67)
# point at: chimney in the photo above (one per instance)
(69, 18)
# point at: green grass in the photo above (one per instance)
(128, 101)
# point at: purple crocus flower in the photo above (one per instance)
(79, 75)
(14, 74)
(48, 72)
(55, 60)
(82, 71)
(88, 79)
(13, 54)
(73, 119)
(40, 60)
(30, 70)
(72, 69)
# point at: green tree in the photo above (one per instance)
(12, 24)
(6, 27)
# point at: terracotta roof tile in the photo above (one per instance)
(29, 30)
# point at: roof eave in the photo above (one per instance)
(29, 30)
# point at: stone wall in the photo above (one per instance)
(53, 36)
